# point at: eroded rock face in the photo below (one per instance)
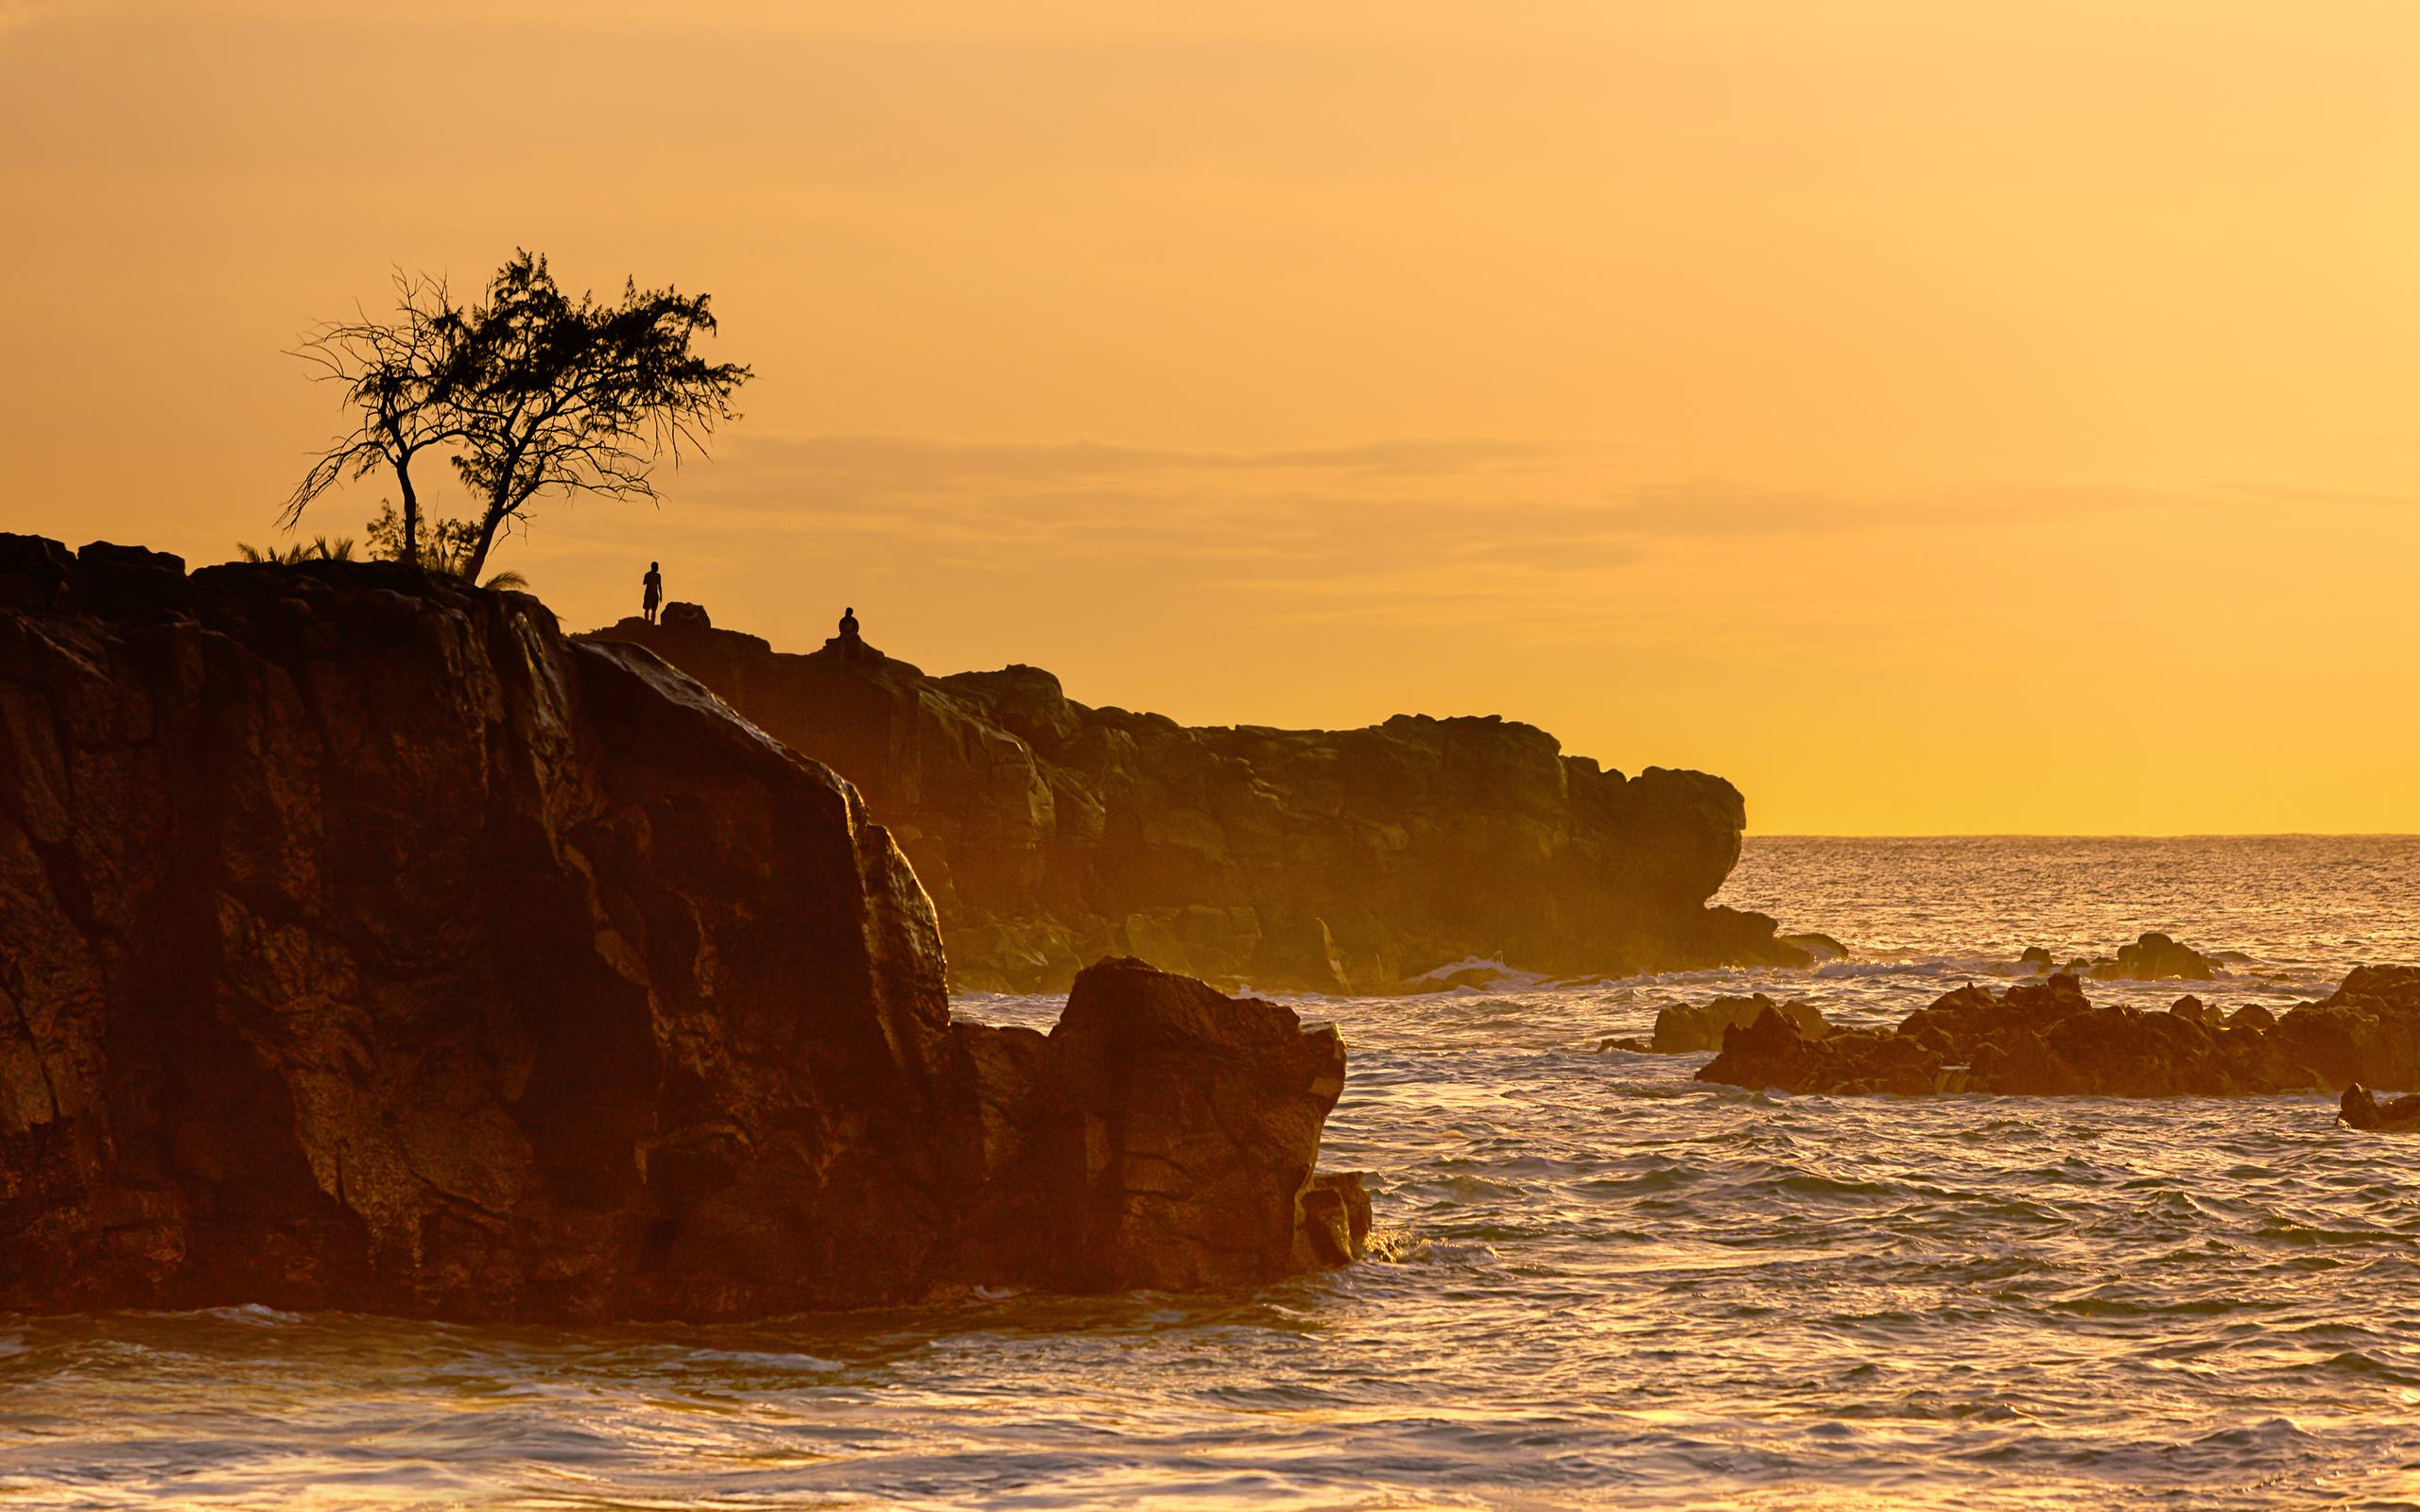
(2048, 1040)
(1143, 1141)
(1052, 833)
(363, 943)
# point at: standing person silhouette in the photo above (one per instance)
(654, 581)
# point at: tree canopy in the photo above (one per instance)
(405, 375)
(531, 391)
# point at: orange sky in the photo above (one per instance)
(1933, 417)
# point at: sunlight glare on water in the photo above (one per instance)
(1600, 1283)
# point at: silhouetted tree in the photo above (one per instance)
(405, 375)
(576, 396)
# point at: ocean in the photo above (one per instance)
(1598, 1282)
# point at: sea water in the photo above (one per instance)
(1598, 1281)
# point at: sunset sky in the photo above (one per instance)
(1979, 417)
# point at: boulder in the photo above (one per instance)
(1689, 1029)
(2154, 958)
(366, 944)
(2037, 960)
(1407, 843)
(1164, 1136)
(2360, 1110)
(1774, 1052)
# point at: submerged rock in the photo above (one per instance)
(1819, 947)
(366, 944)
(1052, 832)
(2048, 1040)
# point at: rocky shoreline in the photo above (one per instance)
(1051, 834)
(366, 943)
(2047, 1039)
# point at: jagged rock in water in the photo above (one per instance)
(1687, 1028)
(1143, 1144)
(2048, 1040)
(1773, 1052)
(2154, 958)
(2358, 1110)
(1051, 834)
(366, 944)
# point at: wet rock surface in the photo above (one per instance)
(2155, 958)
(1691, 1027)
(1141, 1143)
(365, 944)
(1051, 834)
(2048, 1040)
(2361, 1110)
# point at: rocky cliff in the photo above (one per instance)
(1051, 834)
(365, 944)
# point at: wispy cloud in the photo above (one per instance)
(2297, 494)
(1544, 538)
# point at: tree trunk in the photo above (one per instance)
(489, 524)
(411, 511)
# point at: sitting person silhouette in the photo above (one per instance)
(848, 646)
(654, 593)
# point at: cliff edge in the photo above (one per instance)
(365, 944)
(1051, 834)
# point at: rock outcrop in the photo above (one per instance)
(1051, 834)
(1140, 1147)
(2048, 1040)
(2358, 1110)
(1692, 1028)
(363, 943)
(2155, 958)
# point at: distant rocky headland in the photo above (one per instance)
(1051, 834)
(365, 944)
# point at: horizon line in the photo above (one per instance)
(2066, 834)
